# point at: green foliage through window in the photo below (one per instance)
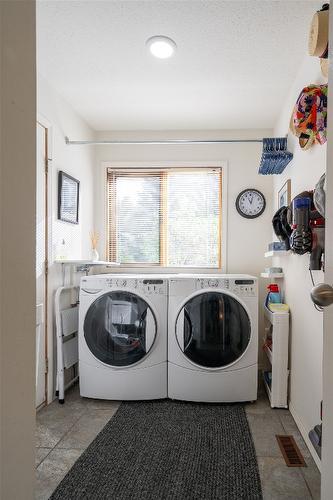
(168, 217)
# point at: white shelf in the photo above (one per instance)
(82, 266)
(276, 253)
(275, 317)
(278, 357)
(272, 275)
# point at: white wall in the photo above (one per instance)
(78, 161)
(246, 239)
(306, 323)
(17, 249)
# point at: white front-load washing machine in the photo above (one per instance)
(213, 338)
(123, 337)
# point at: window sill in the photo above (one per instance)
(155, 269)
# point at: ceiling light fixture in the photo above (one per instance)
(161, 46)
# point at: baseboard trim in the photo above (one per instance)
(305, 436)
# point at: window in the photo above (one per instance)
(166, 217)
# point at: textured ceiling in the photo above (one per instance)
(233, 67)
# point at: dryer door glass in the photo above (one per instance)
(120, 328)
(213, 329)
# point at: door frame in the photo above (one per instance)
(43, 122)
(327, 441)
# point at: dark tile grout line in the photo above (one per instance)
(83, 449)
(37, 447)
(62, 437)
(307, 484)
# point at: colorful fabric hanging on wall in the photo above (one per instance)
(309, 117)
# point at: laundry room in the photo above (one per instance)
(180, 250)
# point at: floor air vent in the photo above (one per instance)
(290, 451)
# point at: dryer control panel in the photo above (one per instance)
(242, 287)
(153, 286)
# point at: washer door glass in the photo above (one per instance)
(213, 329)
(119, 328)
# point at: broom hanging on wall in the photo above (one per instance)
(275, 156)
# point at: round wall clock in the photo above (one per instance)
(250, 203)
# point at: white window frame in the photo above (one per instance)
(139, 268)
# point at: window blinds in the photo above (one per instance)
(165, 217)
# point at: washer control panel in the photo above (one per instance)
(242, 287)
(147, 286)
(154, 286)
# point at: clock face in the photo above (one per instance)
(250, 203)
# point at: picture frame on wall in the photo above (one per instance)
(68, 198)
(284, 194)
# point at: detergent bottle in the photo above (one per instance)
(274, 295)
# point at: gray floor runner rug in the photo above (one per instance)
(167, 450)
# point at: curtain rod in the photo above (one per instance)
(169, 141)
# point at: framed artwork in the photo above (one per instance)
(68, 198)
(284, 194)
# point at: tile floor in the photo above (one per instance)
(64, 431)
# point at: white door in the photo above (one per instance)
(41, 263)
(327, 450)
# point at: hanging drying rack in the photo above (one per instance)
(275, 155)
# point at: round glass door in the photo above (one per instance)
(119, 328)
(213, 329)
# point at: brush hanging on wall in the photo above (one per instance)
(275, 156)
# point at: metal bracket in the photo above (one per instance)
(85, 268)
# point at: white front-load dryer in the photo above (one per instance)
(213, 338)
(123, 337)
